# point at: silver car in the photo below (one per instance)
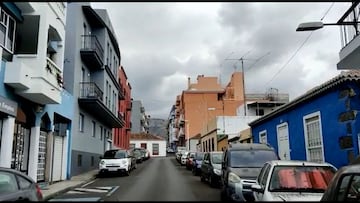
(16, 186)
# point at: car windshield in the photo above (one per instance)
(199, 156)
(113, 154)
(301, 178)
(252, 158)
(216, 158)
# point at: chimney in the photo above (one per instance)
(188, 82)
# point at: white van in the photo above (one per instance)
(117, 160)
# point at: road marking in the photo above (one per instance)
(88, 183)
(89, 190)
(81, 199)
(112, 191)
(75, 192)
(104, 188)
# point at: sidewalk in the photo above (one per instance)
(49, 191)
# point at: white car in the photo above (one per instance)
(184, 157)
(117, 160)
(281, 180)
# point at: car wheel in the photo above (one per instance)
(223, 195)
(202, 178)
(193, 171)
(211, 181)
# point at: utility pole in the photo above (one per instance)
(243, 72)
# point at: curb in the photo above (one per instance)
(50, 196)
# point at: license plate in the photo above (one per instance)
(112, 169)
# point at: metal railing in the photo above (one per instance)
(90, 90)
(90, 42)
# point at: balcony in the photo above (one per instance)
(128, 105)
(90, 99)
(91, 52)
(42, 85)
(350, 39)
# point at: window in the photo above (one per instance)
(155, 148)
(81, 123)
(93, 128)
(143, 145)
(101, 132)
(7, 183)
(259, 112)
(79, 160)
(263, 137)
(212, 144)
(92, 161)
(7, 31)
(23, 183)
(313, 138)
(82, 74)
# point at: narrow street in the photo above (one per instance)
(157, 179)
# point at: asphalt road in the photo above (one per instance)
(157, 179)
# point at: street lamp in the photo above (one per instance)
(310, 26)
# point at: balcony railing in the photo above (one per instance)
(90, 90)
(90, 42)
(54, 70)
(92, 52)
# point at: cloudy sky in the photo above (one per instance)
(162, 44)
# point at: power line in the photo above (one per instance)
(307, 38)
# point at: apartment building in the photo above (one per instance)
(204, 100)
(35, 110)
(91, 69)
(139, 119)
(122, 135)
(171, 129)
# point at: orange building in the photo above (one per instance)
(121, 137)
(204, 100)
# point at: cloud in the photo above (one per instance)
(164, 43)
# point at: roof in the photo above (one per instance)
(344, 76)
(297, 163)
(247, 146)
(145, 136)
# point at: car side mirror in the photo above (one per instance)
(257, 188)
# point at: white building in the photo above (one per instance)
(155, 144)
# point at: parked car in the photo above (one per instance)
(283, 180)
(138, 156)
(345, 185)
(240, 167)
(211, 168)
(189, 160)
(179, 155)
(183, 157)
(196, 168)
(117, 160)
(16, 186)
(146, 154)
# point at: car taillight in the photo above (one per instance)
(38, 192)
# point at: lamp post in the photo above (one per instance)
(310, 26)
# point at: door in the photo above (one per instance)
(42, 157)
(58, 158)
(283, 142)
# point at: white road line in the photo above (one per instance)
(89, 190)
(86, 199)
(88, 183)
(104, 188)
(112, 191)
(75, 192)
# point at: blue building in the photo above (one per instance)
(320, 125)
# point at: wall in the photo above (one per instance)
(162, 146)
(330, 107)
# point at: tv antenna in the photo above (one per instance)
(242, 69)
